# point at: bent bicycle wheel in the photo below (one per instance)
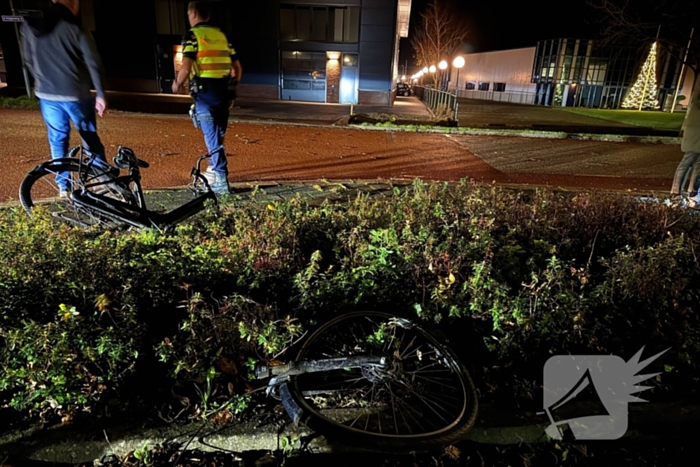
(40, 188)
(421, 398)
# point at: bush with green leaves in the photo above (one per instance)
(19, 103)
(511, 277)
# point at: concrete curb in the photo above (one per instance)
(652, 422)
(617, 138)
(333, 190)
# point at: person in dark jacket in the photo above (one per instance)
(63, 60)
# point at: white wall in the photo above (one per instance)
(513, 67)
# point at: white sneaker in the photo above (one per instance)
(217, 182)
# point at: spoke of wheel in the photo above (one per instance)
(428, 403)
(393, 409)
(437, 383)
(402, 355)
(410, 409)
(379, 420)
(424, 369)
(424, 356)
(358, 417)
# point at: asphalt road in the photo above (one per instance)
(271, 152)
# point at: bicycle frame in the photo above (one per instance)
(137, 215)
(279, 375)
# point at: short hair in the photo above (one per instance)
(201, 8)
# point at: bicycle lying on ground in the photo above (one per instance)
(377, 380)
(99, 197)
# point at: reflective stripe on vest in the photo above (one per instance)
(213, 53)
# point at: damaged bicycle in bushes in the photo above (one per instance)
(373, 379)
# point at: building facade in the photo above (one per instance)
(503, 75)
(581, 73)
(570, 72)
(301, 50)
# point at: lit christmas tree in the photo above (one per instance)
(643, 92)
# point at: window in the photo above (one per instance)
(319, 23)
(499, 87)
(471, 86)
(483, 86)
(287, 24)
(350, 60)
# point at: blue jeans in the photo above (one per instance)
(57, 117)
(212, 111)
(686, 175)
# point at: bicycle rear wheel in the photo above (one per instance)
(421, 398)
(40, 188)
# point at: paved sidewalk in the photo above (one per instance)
(648, 422)
(267, 109)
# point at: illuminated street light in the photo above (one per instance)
(443, 66)
(425, 69)
(458, 63)
(432, 68)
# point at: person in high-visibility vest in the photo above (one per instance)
(213, 68)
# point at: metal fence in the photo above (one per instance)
(438, 101)
(517, 97)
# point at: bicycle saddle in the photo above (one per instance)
(126, 159)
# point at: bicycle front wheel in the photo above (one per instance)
(421, 398)
(40, 191)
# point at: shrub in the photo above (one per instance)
(19, 103)
(511, 277)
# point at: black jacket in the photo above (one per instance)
(61, 56)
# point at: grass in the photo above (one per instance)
(649, 119)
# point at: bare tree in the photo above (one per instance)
(638, 22)
(438, 34)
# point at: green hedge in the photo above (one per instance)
(19, 103)
(99, 322)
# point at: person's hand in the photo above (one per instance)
(100, 105)
(176, 87)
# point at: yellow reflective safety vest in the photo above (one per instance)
(213, 52)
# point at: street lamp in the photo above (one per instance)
(432, 72)
(458, 63)
(443, 66)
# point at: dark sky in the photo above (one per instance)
(495, 25)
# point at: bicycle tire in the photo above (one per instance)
(39, 188)
(458, 419)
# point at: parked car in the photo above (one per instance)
(403, 89)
